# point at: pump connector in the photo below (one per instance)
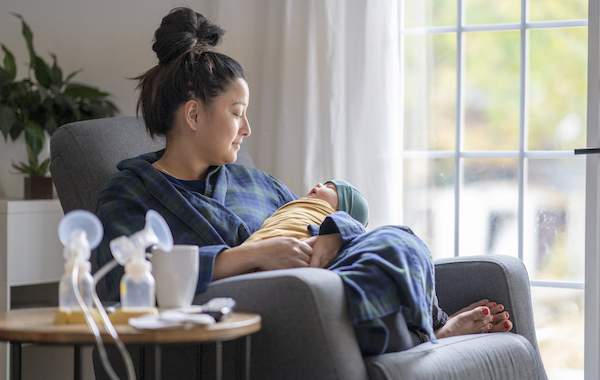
(138, 288)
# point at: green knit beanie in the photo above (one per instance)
(352, 201)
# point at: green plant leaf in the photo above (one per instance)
(28, 39)
(55, 73)
(66, 102)
(50, 126)
(22, 168)
(43, 101)
(5, 79)
(33, 168)
(42, 72)
(44, 167)
(10, 66)
(34, 139)
(70, 76)
(83, 91)
(7, 119)
(42, 94)
(16, 130)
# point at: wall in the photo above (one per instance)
(110, 40)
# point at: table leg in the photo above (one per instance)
(219, 355)
(157, 362)
(15, 361)
(242, 358)
(247, 357)
(76, 362)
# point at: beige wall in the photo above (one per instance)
(109, 39)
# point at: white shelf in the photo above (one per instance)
(30, 251)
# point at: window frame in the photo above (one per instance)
(591, 285)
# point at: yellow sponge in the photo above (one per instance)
(74, 317)
(122, 317)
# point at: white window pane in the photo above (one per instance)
(558, 89)
(489, 202)
(423, 13)
(430, 92)
(559, 321)
(554, 219)
(429, 203)
(491, 95)
(553, 10)
(493, 12)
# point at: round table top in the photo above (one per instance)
(37, 325)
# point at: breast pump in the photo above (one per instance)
(138, 289)
(79, 231)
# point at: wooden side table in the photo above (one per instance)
(37, 326)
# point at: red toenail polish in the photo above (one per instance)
(490, 326)
(501, 307)
(486, 311)
(494, 304)
(506, 325)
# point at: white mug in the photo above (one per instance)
(176, 275)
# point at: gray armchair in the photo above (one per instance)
(306, 333)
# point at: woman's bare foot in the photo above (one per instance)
(474, 321)
(501, 323)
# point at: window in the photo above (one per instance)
(495, 97)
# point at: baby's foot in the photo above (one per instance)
(474, 321)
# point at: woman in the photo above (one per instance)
(198, 99)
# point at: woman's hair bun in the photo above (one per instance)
(182, 31)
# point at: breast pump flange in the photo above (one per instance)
(137, 287)
(79, 231)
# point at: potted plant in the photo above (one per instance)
(40, 103)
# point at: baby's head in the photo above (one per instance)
(342, 196)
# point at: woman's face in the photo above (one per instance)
(223, 125)
(327, 192)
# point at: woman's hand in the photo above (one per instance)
(273, 253)
(282, 253)
(324, 249)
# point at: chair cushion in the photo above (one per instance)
(481, 356)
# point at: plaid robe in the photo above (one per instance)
(383, 271)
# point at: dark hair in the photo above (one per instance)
(188, 68)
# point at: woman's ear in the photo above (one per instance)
(192, 113)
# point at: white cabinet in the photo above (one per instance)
(30, 251)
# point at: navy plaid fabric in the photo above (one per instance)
(236, 201)
(384, 271)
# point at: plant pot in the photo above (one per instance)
(38, 188)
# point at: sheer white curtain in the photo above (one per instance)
(325, 90)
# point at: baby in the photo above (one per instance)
(293, 218)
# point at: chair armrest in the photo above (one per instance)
(499, 278)
(305, 327)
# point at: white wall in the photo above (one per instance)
(110, 40)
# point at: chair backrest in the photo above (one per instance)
(85, 154)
